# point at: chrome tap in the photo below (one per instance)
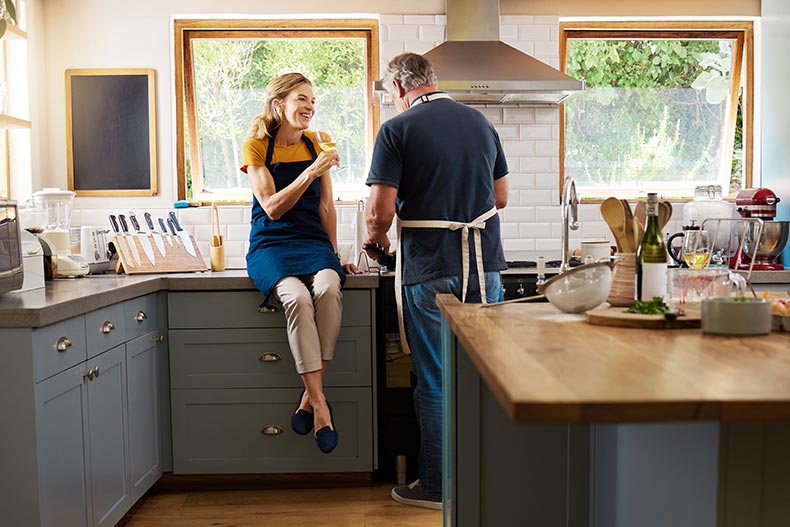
(570, 203)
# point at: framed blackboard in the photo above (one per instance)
(111, 132)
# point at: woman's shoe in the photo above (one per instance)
(326, 437)
(301, 420)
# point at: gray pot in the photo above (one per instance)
(736, 316)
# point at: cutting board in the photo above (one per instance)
(616, 316)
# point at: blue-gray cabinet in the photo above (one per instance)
(234, 387)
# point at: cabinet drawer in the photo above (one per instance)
(222, 431)
(256, 358)
(239, 309)
(104, 329)
(59, 346)
(140, 316)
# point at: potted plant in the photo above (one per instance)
(8, 11)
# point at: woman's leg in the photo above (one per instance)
(327, 299)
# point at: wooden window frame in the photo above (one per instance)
(740, 31)
(185, 30)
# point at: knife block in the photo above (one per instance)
(175, 260)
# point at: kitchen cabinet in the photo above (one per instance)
(234, 387)
(88, 416)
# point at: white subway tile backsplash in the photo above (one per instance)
(517, 213)
(234, 249)
(388, 50)
(547, 214)
(231, 214)
(534, 131)
(515, 19)
(533, 32)
(492, 113)
(386, 20)
(404, 32)
(547, 181)
(547, 115)
(524, 46)
(546, 245)
(510, 230)
(508, 132)
(517, 181)
(547, 148)
(534, 230)
(239, 232)
(596, 230)
(546, 50)
(194, 216)
(235, 263)
(418, 46)
(508, 32)
(551, 20)
(519, 115)
(536, 197)
(519, 148)
(419, 19)
(535, 164)
(518, 245)
(432, 33)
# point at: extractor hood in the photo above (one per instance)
(474, 66)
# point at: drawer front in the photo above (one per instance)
(222, 432)
(140, 316)
(105, 329)
(58, 347)
(239, 309)
(260, 358)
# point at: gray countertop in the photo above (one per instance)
(65, 298)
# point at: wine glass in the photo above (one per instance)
(696, 248)
(326, 142)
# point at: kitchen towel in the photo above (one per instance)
(360, 232)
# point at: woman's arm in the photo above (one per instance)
(274, 203)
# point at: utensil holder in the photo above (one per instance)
(216, 248)
(623, 292)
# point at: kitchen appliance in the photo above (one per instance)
(757, 203)
(95, 248)
(766, 253)
(58, 204)
(11, 265)
(474, 66)
(32, 262)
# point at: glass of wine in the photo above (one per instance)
(326, 142)
(696, 248)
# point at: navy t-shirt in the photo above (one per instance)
(443, 158)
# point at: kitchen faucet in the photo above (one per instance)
(570, 203)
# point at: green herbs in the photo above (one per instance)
(655, 306)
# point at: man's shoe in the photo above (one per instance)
(414, 494)
(301, 420)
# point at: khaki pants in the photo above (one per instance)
(312, 310)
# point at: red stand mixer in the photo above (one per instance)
(761, 203)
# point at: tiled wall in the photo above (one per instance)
(531, 224)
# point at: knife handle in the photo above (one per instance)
(148, 220)
(171, 225)
(174, 218)
(163, 226)
(124, 225)
(135, 224)
(114, 224)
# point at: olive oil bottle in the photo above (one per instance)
(651, 257)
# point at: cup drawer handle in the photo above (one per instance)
(107, 327)
(63, 344)
(140, 316)
(270, 357)
(272, 308)
(272, 430)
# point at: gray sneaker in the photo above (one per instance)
(414, 494)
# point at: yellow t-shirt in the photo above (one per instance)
(253, 151)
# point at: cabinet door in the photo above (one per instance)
(108, 461)
(142, 373)
(61, 430)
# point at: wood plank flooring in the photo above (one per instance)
(361, 506)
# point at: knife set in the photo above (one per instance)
(158, 249)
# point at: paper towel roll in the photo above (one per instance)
(360, 232)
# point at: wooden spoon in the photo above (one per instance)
(614, 216)
(664, 213)
(640, 215)
(629, 242)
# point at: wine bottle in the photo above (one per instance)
(651, 257)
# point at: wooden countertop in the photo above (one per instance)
(545, 366)
(64, 298)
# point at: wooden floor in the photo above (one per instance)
(360, 506)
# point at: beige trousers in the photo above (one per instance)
(312, 310)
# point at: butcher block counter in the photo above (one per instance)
(560, 422)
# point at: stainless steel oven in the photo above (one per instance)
(11, 272)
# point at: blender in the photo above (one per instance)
(58, 204)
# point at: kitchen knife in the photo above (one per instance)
(160, 245)
(173, 234)
(129, 239)
(164, 231)
(183, 234)
(123, 248)
(143, 237)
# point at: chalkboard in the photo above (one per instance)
(111, 132)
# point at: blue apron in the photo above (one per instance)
(296, 244)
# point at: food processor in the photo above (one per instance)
(766, 252)
(58, 204)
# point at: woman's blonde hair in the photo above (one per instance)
(268, 121)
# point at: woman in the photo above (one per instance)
(293, 239)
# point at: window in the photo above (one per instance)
(666, 107)
(223, 67)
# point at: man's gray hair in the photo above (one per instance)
(411, 70)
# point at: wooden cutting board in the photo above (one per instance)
(616, 316)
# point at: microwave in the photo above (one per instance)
(11, 271)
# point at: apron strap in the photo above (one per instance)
(476, 225)
(270, 151)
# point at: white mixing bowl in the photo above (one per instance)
(580, 289)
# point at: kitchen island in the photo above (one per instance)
(559, 422)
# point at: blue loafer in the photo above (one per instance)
(301, 420)
(326, 437)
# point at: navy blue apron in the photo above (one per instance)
(296, 244)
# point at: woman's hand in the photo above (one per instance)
(325, 160)
(350, 268)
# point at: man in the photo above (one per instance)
(440, 166)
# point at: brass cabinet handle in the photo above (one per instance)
(107, 327)
(96, 371)
(272, 308)
(160, 339)
(270, 357)
(272, 430)
(88, 375)
(140, 316)
(63, 344)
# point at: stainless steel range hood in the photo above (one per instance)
(474, 66)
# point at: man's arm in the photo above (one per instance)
(380, 213)
(500, 192)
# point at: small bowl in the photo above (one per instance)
(580, 289)
(736, 316)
